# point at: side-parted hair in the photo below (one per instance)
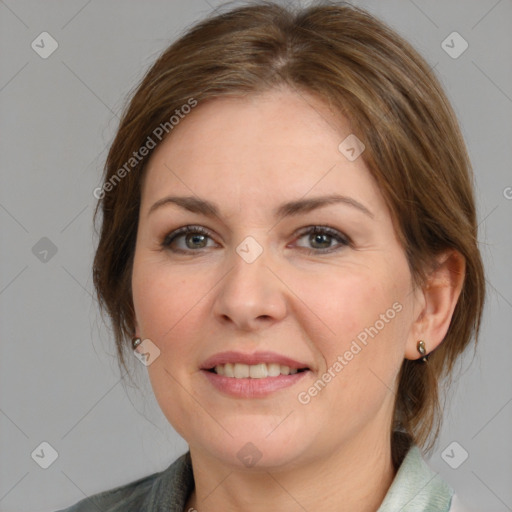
(414, 150)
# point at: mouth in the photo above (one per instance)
(252, 375)
(254, 371)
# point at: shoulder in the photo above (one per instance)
(130, 495)
(416, 488)
(169, 487)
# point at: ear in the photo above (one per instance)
(437, 301)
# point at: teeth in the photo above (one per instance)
(254, 371)
(258, 371)
(228, 370)
(274, 369)
(241, 371)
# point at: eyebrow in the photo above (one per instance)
(209, 209)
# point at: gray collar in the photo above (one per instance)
(170, 491)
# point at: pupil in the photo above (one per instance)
(318, 239)
(195, 238)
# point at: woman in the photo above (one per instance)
(289, 239)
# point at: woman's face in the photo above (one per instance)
(256, 285)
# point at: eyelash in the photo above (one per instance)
(343, 240)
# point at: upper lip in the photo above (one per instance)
(251, 359)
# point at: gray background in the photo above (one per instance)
(58, 376)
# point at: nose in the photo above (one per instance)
(251, 296)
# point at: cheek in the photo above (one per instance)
(163, 299)
(168, 309)
(356, 305)
(171, 308)
(366, 317)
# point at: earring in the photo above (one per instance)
(136, 342)
(422, 350)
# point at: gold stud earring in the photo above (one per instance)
(422, 350)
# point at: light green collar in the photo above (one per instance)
(416, 488)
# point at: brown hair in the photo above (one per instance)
(396, 106)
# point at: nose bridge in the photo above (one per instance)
(249, 292)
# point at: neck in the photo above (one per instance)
(354, 477)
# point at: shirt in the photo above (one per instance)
(415, 488)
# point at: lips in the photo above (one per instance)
(223, 358)
(249, 376)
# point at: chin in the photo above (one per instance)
(245, 454)
(255, 445)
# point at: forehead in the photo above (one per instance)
(255, 148)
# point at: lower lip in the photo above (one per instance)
(253, 388)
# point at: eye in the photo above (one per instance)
(321, 238)
(195, 237)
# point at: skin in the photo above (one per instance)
(249, 155)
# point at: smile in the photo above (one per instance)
(254, 371)
(252, 375)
